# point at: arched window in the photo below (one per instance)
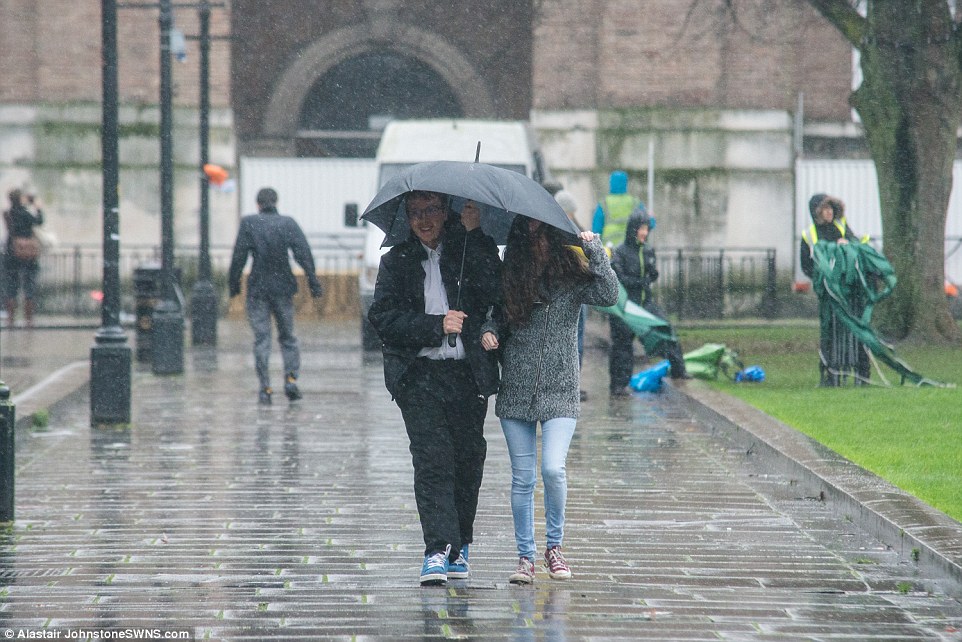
(345, 110)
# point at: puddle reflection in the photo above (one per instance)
(542, 615)
(446, 614)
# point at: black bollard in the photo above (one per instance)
(8, 420)
(110, 378)
(203, 314)
(167, 340)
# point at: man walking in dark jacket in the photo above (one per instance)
(436, 369)
(271, 285)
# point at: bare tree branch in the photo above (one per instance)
(843, 17)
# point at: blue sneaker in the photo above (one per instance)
(434, 571)
(459, 569)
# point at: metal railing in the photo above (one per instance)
(71, 277)
(718, 283)
(693, 284)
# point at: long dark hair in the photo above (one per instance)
(525, 272)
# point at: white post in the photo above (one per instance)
(651, 175)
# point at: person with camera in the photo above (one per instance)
(21, 261)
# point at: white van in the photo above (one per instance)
(508, 144)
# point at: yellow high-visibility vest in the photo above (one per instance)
(617, 209)
(811, 234)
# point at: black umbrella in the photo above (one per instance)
(502, 194)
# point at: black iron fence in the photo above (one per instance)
(71, 276)
(693, 284)
(719, 283)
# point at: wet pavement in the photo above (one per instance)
(237, 522)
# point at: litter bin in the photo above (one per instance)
(147, 284)
(148, 293)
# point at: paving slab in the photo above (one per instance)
(237, 522)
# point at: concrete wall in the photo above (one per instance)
(54, 151)
(723, 178)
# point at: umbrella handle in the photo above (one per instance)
(453, 338)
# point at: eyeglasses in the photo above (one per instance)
(430, 210)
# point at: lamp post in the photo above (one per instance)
(203, 301)
(167, 341)
(110, 356)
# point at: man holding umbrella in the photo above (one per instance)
(432, 294)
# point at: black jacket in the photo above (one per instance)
(397, 312)
(627, 264)
(20, 223)
(268, 235)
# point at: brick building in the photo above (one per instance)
(708, 94)
(318, 82)
(50, 118)
(711, 93)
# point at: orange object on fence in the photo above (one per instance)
(215, 174)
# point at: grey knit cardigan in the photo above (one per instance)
(540, 375)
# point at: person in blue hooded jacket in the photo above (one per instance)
(611, 214)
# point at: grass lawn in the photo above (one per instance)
(910, 436)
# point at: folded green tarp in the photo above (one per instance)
(710, 359)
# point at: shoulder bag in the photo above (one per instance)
(26, 248)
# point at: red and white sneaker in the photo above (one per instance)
(524, 574)
(555, 564)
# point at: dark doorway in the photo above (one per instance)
(345, 110)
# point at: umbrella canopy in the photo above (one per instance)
(502, 194)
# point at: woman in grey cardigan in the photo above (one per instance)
(545, 283)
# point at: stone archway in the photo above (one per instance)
(282, 117)
(345, 110)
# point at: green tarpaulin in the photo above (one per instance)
(653, 331)
(852, 275)
(706, 362)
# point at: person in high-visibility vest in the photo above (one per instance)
(840, 353)
(828, 224)
(611, 214)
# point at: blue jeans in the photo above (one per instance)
(17, 270)
(522, 438)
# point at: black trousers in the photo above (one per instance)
(444, 417)
(841, 354)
